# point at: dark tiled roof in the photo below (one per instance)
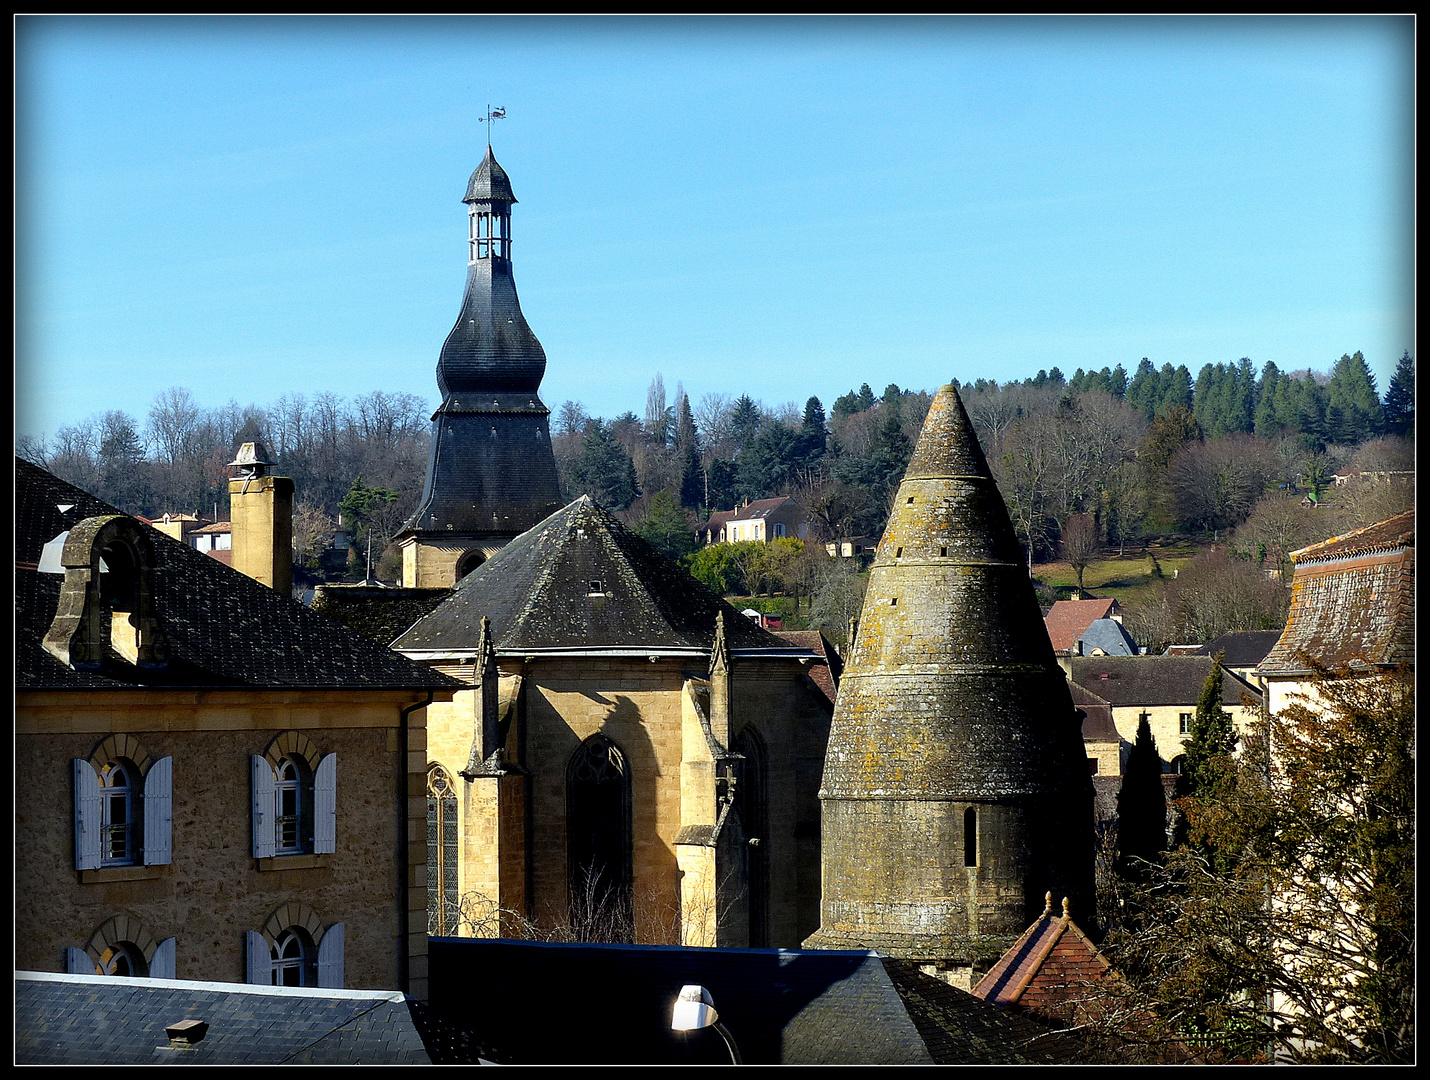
(1352, 601)
(717, 522)
(537, 592)
(781, 1006)
(960, 1029)
(825, 675)
(1097, 725)
(222, 627)
(1153, 680)
(489, 183)
(758, 508)
(93, 1020)
(1066, 620)
(379, 613)
(1245, 648)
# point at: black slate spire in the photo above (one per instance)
(491, 474)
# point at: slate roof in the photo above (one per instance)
(1047, 969)
(781, 1006)
(1244, 648)
(99, 1020)
(489, 183)
(538, 593)
(825, 675)
(1154, 680)
(222, 627)
(1109, 636)
(1066, 620)
(376, 611)
(758, 508)
(1097, 725)
(1352, 601)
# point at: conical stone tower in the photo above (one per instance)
(956, 793)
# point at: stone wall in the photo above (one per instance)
(214, 889)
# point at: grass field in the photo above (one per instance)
(1127, 579)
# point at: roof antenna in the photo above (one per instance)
(498, 113)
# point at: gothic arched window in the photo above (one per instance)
(751, 800)
(294, 957)
(443, 892)
(119, 839)
(598, 842)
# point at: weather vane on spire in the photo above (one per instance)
(492, 116)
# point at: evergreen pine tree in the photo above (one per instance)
(1209, 766)
(1399, 405)
(1178, 388)
(1353, 411)
(1141, 807)
(687, 447)
(1145, 391)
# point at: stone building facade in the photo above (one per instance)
(213, 783)
(633, 760)
(956, 791)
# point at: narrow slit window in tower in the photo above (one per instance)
(970, 837)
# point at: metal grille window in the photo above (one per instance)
(289, 792)
(443, 892)
(117, 816)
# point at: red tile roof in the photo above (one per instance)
(1047, 970)
(1388, 535)
(1068, 620)
(223, 555)
(825, 675)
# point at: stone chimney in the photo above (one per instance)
(262, 518)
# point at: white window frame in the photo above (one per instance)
(150, 811)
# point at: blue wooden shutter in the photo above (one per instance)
(77, 961)
(158, 815)
(325, 805)
(260, 958)
(87, 816)
(265, 810)
(330, 957)
(161, 965)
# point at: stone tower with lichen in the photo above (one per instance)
(491, 473)
(956, 792)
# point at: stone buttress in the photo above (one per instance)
(956, 792)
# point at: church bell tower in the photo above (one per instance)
(491, 474)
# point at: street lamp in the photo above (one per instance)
(695, 1009)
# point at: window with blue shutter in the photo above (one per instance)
(325, 805)
(158, 814)
(162, 963)
(88, 816)
(330, 957)
(260, 960)
(265, 832)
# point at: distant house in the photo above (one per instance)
(1165, 690)
(852, 547)
(763, 520)
(1088, 628)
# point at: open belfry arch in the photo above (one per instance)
(956, 792)
(491, 474)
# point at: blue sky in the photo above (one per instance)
(254, 207)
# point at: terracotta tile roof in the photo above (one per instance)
(1388, 535)
(717, 522)
(1352, 601)
(1047, 969)
(825, 675)
(1067, 620)
(216, 527)
(223, 555)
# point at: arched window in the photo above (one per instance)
(443, 891)
(598, 842)
(294, 800)
(119, 832)
(751, 801)
(469, 562)
(293, 958)
(122, 958)
(970, 837)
